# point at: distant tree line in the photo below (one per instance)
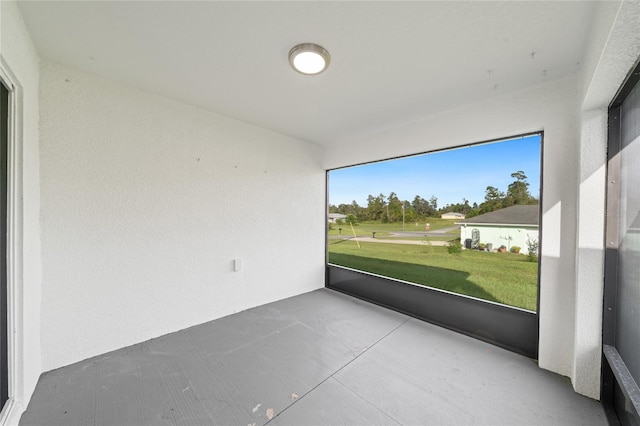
(388, 209)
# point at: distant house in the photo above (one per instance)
(511, 226)
(452, 215)
(333, 217)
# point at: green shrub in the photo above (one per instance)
(515, 249)
(532, 245)
(454, 247)
(427, 242)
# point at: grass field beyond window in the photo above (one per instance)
(365, 229)
(499, 277)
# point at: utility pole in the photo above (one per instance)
(403, 215)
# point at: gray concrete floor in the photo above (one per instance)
(321, 358)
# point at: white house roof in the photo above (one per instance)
(511, 216)
(336, 216)
(453, 214)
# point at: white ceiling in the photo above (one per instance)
(391, 61)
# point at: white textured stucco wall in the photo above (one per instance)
(82, 314)
(145, 204)
(20, 63)
(550, 107)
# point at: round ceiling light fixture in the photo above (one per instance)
(309, 58)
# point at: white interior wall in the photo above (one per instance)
(19, 62)
(146, 202)
(474, 123)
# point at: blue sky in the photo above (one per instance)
(449, 175)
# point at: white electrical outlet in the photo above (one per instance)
(237, 264)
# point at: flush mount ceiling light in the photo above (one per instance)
(309, 58)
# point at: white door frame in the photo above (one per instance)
(14, 405)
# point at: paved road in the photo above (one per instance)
(420, 233)
(386, 240)
(411, 242)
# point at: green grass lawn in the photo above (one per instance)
(499, 277)
(364, 229)
(444, 237)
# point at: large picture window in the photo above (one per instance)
(464, 220)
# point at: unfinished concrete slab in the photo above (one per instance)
(319, 358)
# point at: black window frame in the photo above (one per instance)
(616, 378)
(4, 223)
(505, 326)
